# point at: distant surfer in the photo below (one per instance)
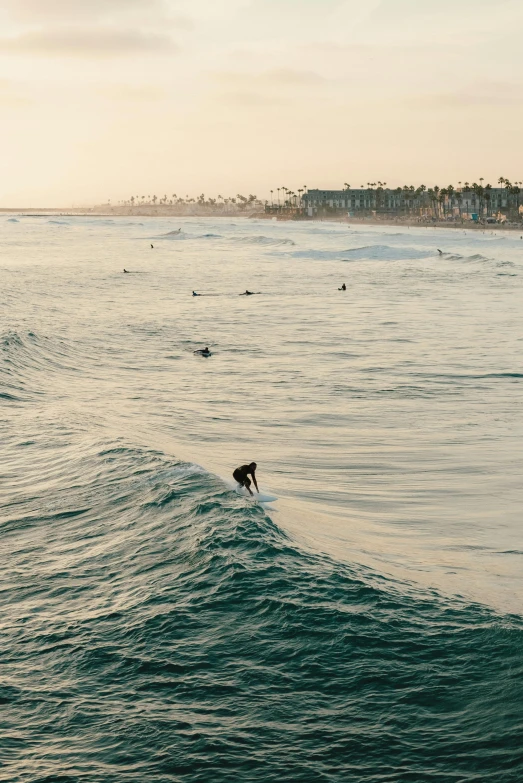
(343, 287)
(195, 294)
(152, 246)
(241, 475)
(203, 351)
(126, 271)
(247, 293)
(440, 251)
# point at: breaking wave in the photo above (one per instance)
(162, 625)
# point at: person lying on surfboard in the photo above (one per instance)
(241, 475)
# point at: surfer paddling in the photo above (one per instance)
(241, 475)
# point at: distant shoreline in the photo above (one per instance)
(464, 226)
(163, 213)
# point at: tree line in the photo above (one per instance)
(238, 202)
(441, 200)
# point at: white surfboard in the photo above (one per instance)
(260, 497)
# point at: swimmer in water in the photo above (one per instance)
(126, 271)
(247, 293)
(343, 287)
(204, 351)
(241, 475)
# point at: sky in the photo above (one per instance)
(104, 99)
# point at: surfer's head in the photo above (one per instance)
(253, 466)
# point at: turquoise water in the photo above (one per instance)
(158, 627)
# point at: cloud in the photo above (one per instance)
(463, 23)
(480, 94)
(151, 14)
(128, 93)
(399, 9)
(88, 42)
(277, 77)
(61, 10)
(251, 99)
(276, 87)
(10, 95)
(292, 78)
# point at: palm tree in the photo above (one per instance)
(443, 200)
(450, 193)
(459, 197)
(517, 191)
(488, 197)
(436, 200)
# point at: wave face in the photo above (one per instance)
(368, 253)
(263, 241)
(158, 627)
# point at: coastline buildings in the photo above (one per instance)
(433, 202)
(473, 202)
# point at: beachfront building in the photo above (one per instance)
(469, 202)
(489, 201)
(364, 200)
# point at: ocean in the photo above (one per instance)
(157, 627)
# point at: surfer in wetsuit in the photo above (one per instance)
(195, 294)
(204, 351)
(343, 287)
(440, 251)
(241, 475)
(126, 271)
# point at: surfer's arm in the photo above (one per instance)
(255, 482)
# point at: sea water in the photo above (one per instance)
(158, 627)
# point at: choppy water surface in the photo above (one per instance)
(156, 626)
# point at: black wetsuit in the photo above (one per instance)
(241, 475)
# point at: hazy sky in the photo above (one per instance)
(110, 98)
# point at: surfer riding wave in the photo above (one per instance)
(241, 475)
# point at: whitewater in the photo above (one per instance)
(156, 626)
